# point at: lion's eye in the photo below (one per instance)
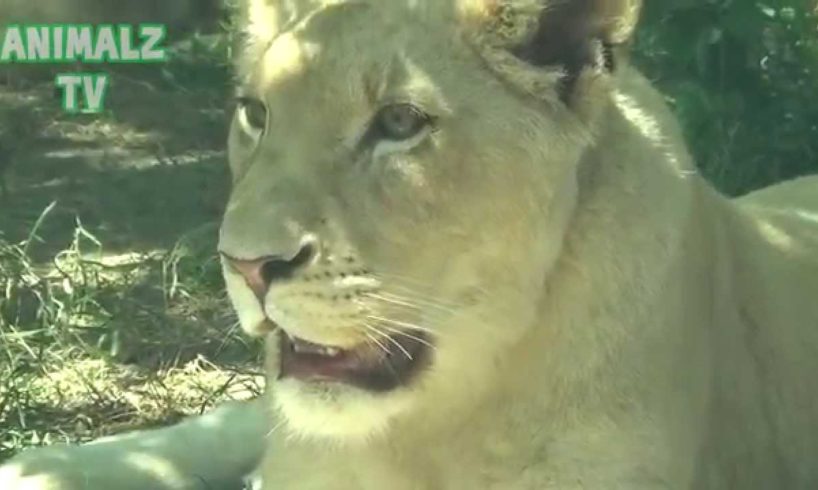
(253, 114)
(400, 122)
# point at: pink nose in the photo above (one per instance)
(260, 273)
(253, 273)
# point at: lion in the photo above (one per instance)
(480, 256)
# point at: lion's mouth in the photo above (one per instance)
(381, 366)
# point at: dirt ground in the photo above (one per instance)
(112, 311)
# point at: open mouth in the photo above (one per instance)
(384, 366)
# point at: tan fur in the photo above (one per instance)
(602, 318)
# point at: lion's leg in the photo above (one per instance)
(213, 451)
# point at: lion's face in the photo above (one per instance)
(395, 212)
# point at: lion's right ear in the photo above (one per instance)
(258, 23)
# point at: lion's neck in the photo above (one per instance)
(626, 272)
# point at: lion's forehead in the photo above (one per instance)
(342, 72)
(319, 63)
(343, 37)
(287, 57)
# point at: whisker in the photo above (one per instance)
(401, 290)
(404, 302)
(400, 278)
(410, 336)
(275, 428)
(389, 338)
(390, 300)
(408, 325)
(376, 341)
(410, 302)
(395, 322)
(412, 284)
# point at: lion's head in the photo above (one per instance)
(403, 175)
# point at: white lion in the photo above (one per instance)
(481, 257)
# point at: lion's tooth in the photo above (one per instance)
(304, 347)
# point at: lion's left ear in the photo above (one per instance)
(569, 32)
(617, 19)
(581, 39)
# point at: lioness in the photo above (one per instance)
(482, 258)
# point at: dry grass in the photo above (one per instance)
(94, 343)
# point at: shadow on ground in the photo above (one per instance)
(137, 330)
(138, 175)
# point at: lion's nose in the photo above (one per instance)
(261, 272)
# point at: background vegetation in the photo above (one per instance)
(743, 78)
(112, 310)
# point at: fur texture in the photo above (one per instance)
(601, 317)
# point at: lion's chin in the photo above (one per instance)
(346, 395)
(336, 413)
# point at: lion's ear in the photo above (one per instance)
(568, 32)
(617, 19)
(259, 19)
(580, 39)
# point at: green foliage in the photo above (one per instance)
(743, 78)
